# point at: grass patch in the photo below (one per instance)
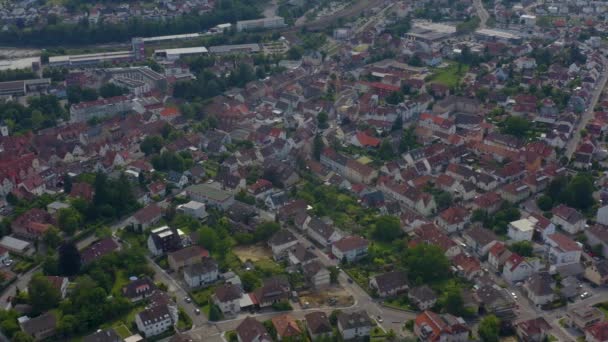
(23, 266)
(449, 76)
(401, 302)
(203, 297)
(122, 331)
(120, 282)
(184, 321)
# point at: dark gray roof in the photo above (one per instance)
(422, 293)
(108, 335)
(391, 280)
(354, 320)
(281, 237)
(39, 324)
(206, 266)
(540, 284)
(154, 315)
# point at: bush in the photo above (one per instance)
(409, 325)
(282, 306)
(214, 313)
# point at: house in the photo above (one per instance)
(251, 330)
(155, 320)
(32, 224)
(107, 335)
(138, 289)
(390, 283)
(598, 235)
(479, 239)
(532, 330)
(495, 300)
(281, 242)
(598, 273)
(597, 332)
(316, 274)
(186, 256)
(498, 255)
(568, 219)
(97, 250)
(423, 297)
(321, 232)
(227, 298)
(163, 240)
(584, 317)
(602, 215)
(177, 179)
(300, 255)
(193, 209)
(145, 217)
(41, 327)
(260, 189)
(430, 234)
(203, 273)
(539, 288)
(453, 219)
(354, 325)
(318, 325)
(522, 230)
(361, 139)
(60, 283)
(467, 266)
(286, 327)
(516, 268)
(274, 290)
(430, 326)
(563, 250)
(350, 248)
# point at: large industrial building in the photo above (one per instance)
(78, 61)
(21, 88)
(85, 111)
(260, 24)
(175, 54)
(498, 36)
(430, 32)
(234, 49)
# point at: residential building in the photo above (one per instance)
(60, 283)
(193, 209)
(430, 326)
(251, 330)
(97, 250)
(281, 242)
(316, 274)
(274, 290)
(321, 232)
(200, 274)
(568, 219)
(107, 335)
(516, 268)
(186, 256)
(390, 283)
(539, 288)
(597, 332)
(522, 230)
(350, 248)
(318, 325)
(598, 235)
(597, 273)
(286, 327)
(227, 298)
(41, 327)
(584, 317)
(532, 330)
(354, 325)
(479, 239)
(145, 217)
(423, 297)
(155, 320)
(139, 289)
(163, 240)
(210, 194)
(562, 250)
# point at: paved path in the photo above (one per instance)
(481, 13)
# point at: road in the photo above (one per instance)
(21, 283)
(588, 113)
(481, 13)
(350, 11)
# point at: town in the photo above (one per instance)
(303, 171)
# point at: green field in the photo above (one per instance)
(122, 331)
(449, 76)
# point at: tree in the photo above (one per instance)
(489, 329)
(214, 313)
(317, 147)
(322, 120)
(111, 90)
(426, 263)
(443, 199)
(544, 202)
(452, 299)
(334, 273)
(385, 152)
(523, 248)
(151, 144)
(69, 259)
(408, 140)
(516, 126)
(21, 336)
(250, 281)
(67, 184)
(265, 230)
(67, 325)
(43, 295)
(51, 237)
(208, 238)
(387, 228)
(579, 192)
(69, 220)
(295, 53)
(394, 98)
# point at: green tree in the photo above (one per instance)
(394, 98)
(489, 329)
(523, 248)
(579, 192)
(408, 140)
(43, 295)
(69, 220)
(317, 147)
(426, 263)
(21, 336)
(452, 299)
(68, 324)
(387, 228)
(334, 273)
(52, 238)
(265, 230)
(443, 199)
(214, 313)
(544, 203)
(69, 259)
(208, 238)
(322, 120)
(250, 281)
(67, 184)
(385, 152)
(110, 90)
(151, 144)
(517, 126)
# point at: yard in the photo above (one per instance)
(253, 252)
(449, 76)
(120, 282)
(122, 330)
(321, 298)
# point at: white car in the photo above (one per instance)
(514, 295)
(585, 295)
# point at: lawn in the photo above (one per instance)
(122, 330)
(22, 266)
(184, 322)
(120, 282)
(401, 302)
(202, 297)
(449, 76)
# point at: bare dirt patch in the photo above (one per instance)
(253, 253)
(334, 296)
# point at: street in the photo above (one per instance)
(482, 13)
